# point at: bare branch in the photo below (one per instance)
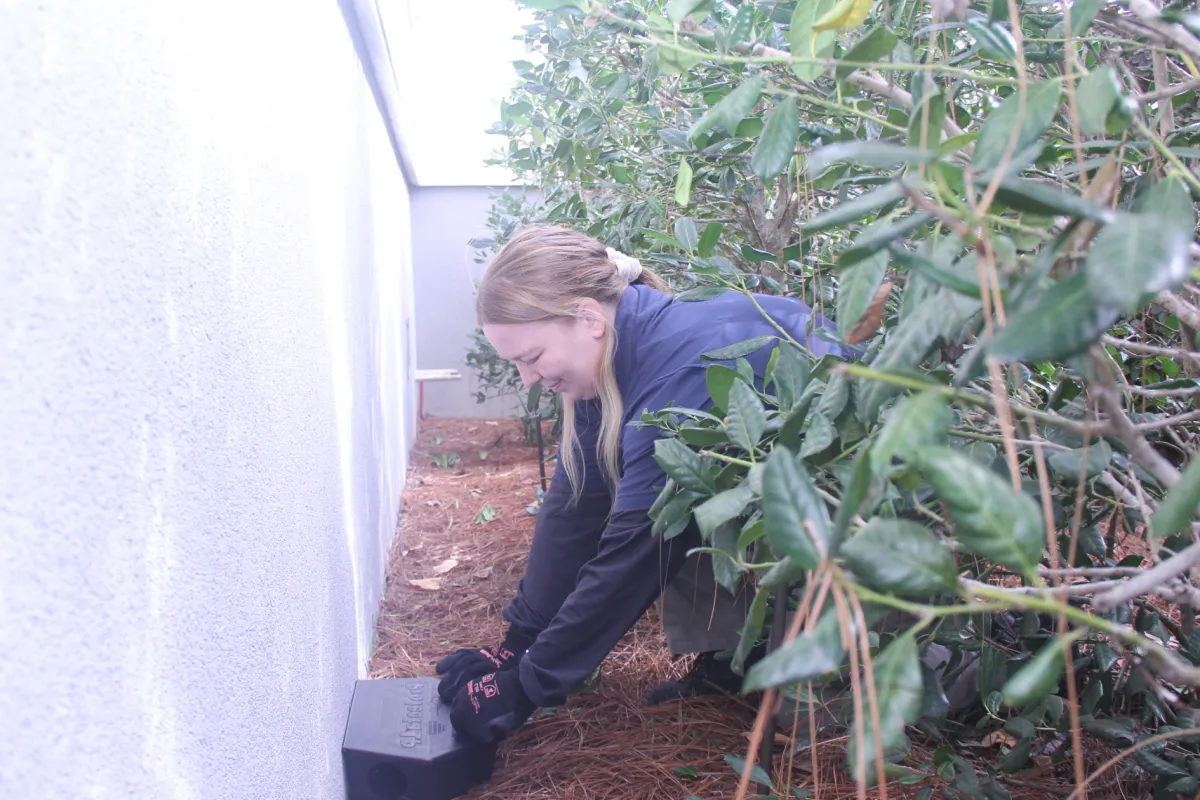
(1151, 350)
(1188, 314)
(1151, 17)
(1127, 497)
(1152, 581)
(1168, 91)
(873, 84)
(1145, 455)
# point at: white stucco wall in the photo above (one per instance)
(205, 398)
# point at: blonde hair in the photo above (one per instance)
(542, 274)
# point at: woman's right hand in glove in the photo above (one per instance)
(462, 666)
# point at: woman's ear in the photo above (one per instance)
(595, 321)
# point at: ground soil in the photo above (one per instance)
(465, 527)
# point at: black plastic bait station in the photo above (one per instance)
(400, 745)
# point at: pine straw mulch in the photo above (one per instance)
(463, 537)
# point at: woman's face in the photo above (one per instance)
(561, 354)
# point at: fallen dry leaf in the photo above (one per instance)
(446, 566)
(999, 737)
(871, 319)
(429, 584)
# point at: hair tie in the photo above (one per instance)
(628, 267)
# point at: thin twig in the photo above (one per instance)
(1151, 579)
(1145, 455)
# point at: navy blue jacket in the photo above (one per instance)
(594, 566)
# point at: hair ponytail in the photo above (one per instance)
(542, 273)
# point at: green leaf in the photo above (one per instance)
(676, 60)
(677, 10)
(867, 154)
(834, 398)
(898, 689)
(683, 188)
(699, 294)
(820, 435)
(858, 488)
(879, 236)
(990, 519)
(808, 656)
(709, 239)
(752, 532)
(1110, 730)
(1082, 14)
(994, 40)
(719, 380)
(675, 515)
(755, 256)
(618, 87)
(726, 570)
(1066, 464)
(877, 43)
(917, 421)
(792, 376)
(684, 466)
(1039, 677)
(1175, 512)
(1064, 322)
(685, 233)
(738, 350)
(751, 629)
(1096, 94)
(1136, 255)
(796, 517)
(757, 773)
(804, 43)
(731, 109)
(857, 286)
(942, 315)
(900, 556)
(994, 135)
(777, 142)
(1169, 199)
(852, 210)
(1036, 197)
(742, 26)
(723, 507)
(918, 264)
(925, 121)
(746, 416)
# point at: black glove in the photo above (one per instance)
(463, 665)
(489, 708)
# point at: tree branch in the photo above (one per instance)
(1188, 314)
(1151, 17)
(1152, 581)
(1145, 455)
(872, 84)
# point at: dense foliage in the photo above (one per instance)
(994, 201)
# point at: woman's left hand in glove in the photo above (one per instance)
(490, 707)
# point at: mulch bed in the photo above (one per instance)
(463, 537)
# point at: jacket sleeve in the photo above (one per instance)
(566, 534)
(627, 572)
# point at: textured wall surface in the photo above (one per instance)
(444, 219)
(205, 398)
